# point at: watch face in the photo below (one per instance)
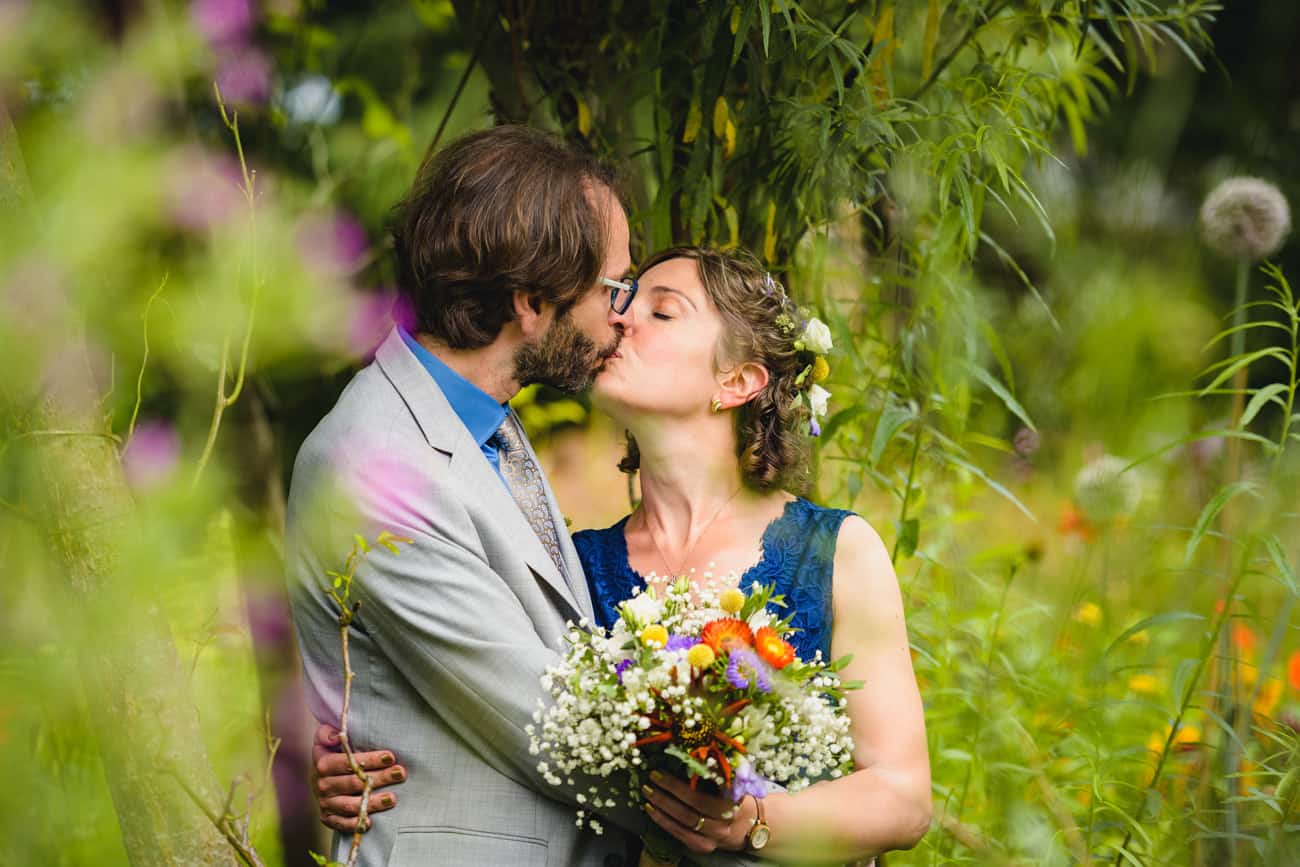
(758, 838)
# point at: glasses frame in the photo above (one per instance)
(616, 288)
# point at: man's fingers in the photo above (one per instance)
(326, 736)
(347, 806)
(347, 783)
(331, 764)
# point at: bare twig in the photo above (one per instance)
(144, 360)
(224, 399)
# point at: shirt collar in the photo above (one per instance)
(477, 410)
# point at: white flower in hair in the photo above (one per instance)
(816, 337)
(817, 400)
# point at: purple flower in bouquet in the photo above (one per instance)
(748, 782)
(622, 667)
(745, 668)
(679, 642)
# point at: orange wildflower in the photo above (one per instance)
(1293, 670)
(1244, 639)
(1073, 523)
(773, 649)
(726, 634)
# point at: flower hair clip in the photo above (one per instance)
(815, 338)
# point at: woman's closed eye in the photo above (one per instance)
(664, 316)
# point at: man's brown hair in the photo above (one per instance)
(503, 210)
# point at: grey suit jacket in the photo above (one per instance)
(453, 634)
(454, 631)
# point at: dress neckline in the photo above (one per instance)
(765, 544)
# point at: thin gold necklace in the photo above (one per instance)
(674, 573)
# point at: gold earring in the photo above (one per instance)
(716, 405)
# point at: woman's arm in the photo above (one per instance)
(885, 803)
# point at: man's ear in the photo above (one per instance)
(533, 314)
(738, 385)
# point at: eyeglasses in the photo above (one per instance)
(620, 294)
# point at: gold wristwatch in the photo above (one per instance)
(759, 832)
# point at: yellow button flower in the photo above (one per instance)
(701, 656)
(1089, 614)
(821, 369)
(731, 600)
(654, 636)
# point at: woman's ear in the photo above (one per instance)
(532, 313)
(739, 384)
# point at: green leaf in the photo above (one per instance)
(997, 388)
(1211, 511)
(1276, 553)
(1149, 622)
(909, 534)
(1235, 364)
(1261, 399)
(890, 423)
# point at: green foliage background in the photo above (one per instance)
(992, 202)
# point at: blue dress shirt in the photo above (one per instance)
(477, 410)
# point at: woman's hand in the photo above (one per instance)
(338, 791)
(702, 822)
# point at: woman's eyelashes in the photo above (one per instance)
(664, 316)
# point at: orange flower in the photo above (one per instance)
(1073, 523)
(1244, 639)
(773, 649)
(1293, 670)
(727, 633)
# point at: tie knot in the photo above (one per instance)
(507, 436)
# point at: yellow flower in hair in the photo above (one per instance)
(821, 369)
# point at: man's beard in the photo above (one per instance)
(565, 358)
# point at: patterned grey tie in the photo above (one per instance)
(524, 479)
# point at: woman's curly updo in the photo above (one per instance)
(760, 324)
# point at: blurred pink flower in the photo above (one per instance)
(391, 489)
(332, 243)
(151, 455)
(244, 77)
(222, 22)
(268, 619)
(372, 319)
(202, 189)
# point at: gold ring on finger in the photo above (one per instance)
(699, 825)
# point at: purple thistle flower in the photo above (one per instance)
(679, 642)
(748, 782)
(745, 668)
(222, 22)
(622, 667)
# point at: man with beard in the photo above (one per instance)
(511, 249)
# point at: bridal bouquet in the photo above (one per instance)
(699, 683)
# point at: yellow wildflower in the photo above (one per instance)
(701, 656)
(1089, 614)
(1144, 683)
(731, 600)
(654, 636)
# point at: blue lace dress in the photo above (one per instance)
(798, 556)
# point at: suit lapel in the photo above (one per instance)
(577, 581)
(444, 431)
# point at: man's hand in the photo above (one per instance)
(338, 790)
